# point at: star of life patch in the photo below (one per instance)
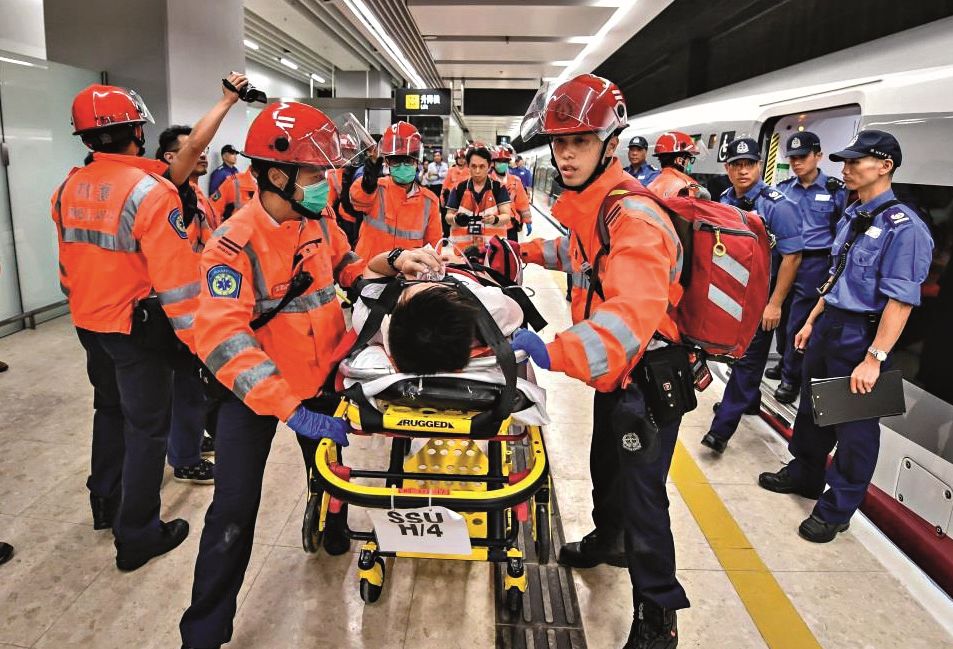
(177, 221)
(224, 281)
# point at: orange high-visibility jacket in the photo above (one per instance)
(201, 228)
(639, 278)
(466, 203)
(121, 235)
(335, 179)
(395, 217)
(670, 181)
(455, 176)
(246, 269)
(519, 199)
(234, 192)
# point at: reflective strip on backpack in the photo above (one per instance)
(229, 349)
(179, 293)
(597, 356)
(246, 381)
(620, 331)
(300, 304)
(731, 266)
(723, 301)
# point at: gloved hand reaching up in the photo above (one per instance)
(315, 425)
(527, 341)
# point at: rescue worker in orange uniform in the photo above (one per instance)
(277, 258)
(339, 194)
(675, 152)
(519, 206)
(624, 327)
(121, 238)
(456, 174)
(234, 192)
(398, 211)
(478, 208)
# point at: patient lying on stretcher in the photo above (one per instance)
(432, 330)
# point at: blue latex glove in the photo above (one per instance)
(529, 229)
(315, 425)
(526, 340)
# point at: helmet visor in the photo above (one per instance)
(532, 124)
(141, 106)
(355, 140)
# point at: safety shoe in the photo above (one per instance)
(653, 627)
(595, 547)
(201, 473)
(208, 445)
(783, 482)
(815, 530)
(773, 372)
(104, 511)
(786, 393)
(3, 366)
(6, 553)
(716, 444)
(132, 558)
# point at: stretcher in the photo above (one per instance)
(449, 448)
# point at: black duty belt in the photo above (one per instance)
(819, 252)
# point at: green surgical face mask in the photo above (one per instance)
(501, 167)
(315, 196)
(403, 173)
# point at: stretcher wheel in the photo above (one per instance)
(543, 541)
(514, 600)
(336, 540)
(310, 534)
(370, 592)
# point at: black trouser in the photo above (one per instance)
(242, 444)
(631, 497)
(132, 401)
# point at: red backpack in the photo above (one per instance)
(726, 271)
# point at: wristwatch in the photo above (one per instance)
(879, 354)
(392, 257)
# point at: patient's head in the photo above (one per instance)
(432, 330)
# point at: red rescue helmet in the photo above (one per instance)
(402, 139)
(584, 104)
(99, 106)
(675, 142)
(294, 133)
(460, 153)
(503, 152)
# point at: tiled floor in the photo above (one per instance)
(62, 590)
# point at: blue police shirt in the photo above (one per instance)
(218, 176)
(889, 261)
(781, 216)
(817, 209)
(524, 174)
(645, 174)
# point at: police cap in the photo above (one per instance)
(878, 144)
(228, 148)
(803, 143)
(639, 142)
(744, 148)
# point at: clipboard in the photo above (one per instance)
(834, 403)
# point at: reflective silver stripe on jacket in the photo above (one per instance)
(350, 257)
(123, 240)
(258, 277)
(677, 268)
(182, 322)
(238, 192)
(597, 356)
(723, 301)
(229, 349)
(379, 221)
(300, 304)
(556, 254)
(619, 330)
(246, 381)
(179, 293)
(580, 280)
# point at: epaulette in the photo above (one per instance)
(772, 194)
(230, 239)
(833, 184)
(897, 216)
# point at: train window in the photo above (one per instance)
(923, 352)
(712, 139)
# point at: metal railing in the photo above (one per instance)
(29, 317)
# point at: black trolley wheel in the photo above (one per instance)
(514, 600)
(370, 593)
(544, 540)
(310, 534)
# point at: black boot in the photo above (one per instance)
(816, 530)
(786, 393)
(783, 482)
(104, 511)
(717, 444)
(130, 557)
(595, 547)
(653, 627)
(773, 372)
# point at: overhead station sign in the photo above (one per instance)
(430, 101)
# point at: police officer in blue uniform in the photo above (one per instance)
(881, 256)
(822, 200)
(638, 167)
(783, 220)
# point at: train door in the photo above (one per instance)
(834, 126)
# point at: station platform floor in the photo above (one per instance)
(752, 581)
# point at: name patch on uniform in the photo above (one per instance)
(224, 281)
(822, 197)
(873, 232)
(178, 223)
